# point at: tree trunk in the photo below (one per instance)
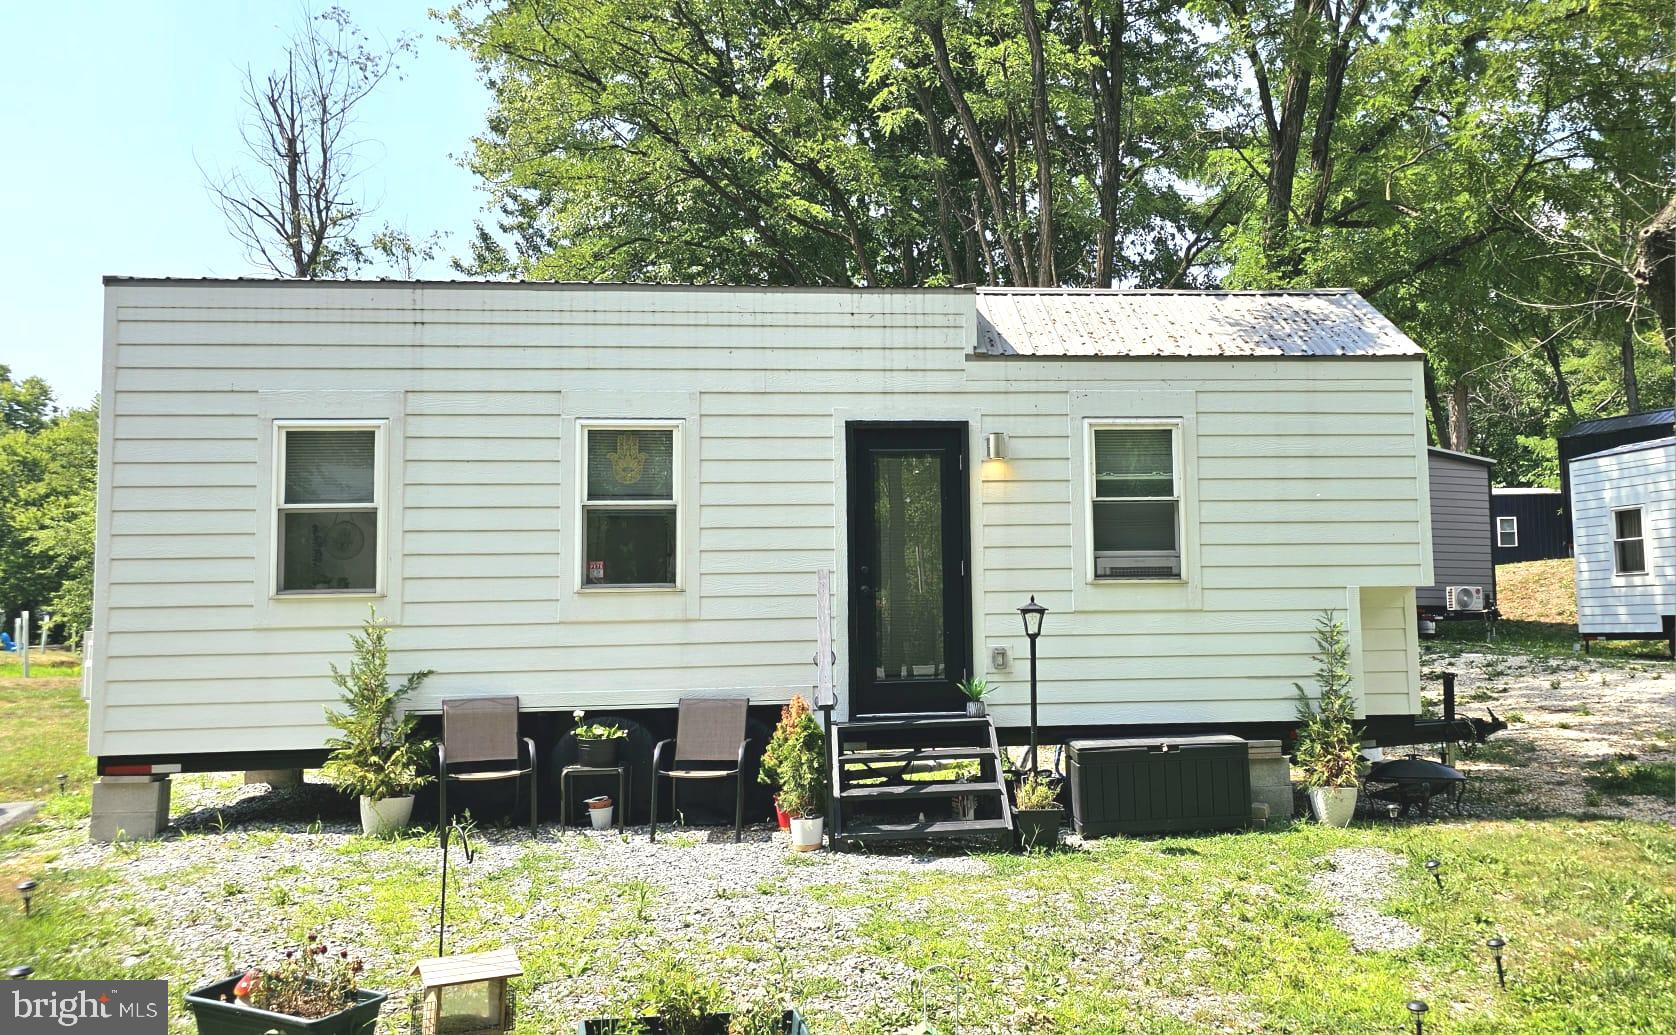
(1655, 270)
(1106, 84)
(1044, 150)
(1460, 420)
(1562, 388)
(1440, 416)
(1626, 356)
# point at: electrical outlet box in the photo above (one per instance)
(1000, 658)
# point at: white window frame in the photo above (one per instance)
(1505, 524)
(280, 507)
(1641, 519)
(585, 429)
(1174, 427)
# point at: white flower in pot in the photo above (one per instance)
(376, 754)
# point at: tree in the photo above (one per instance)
(47, 491)
(24, 405)
(294, 205)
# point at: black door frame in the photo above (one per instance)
(957, 532)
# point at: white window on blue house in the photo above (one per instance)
(1135, 500)
(327, 526)
(1629, 548)
(1507, 531)
(631, 505)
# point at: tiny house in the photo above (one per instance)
(1463, 568)
(609, 497)
(1530, 525)
(1623, 507)
(1593, 436)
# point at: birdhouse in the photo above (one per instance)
(466, 994)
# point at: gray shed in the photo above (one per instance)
(1462, 529)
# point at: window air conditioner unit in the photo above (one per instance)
(1464, 598)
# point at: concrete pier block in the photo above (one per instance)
(1271, 778)
(129, 808)
(274, 777)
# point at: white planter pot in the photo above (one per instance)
(806, 833)
(1334, 806)
(976, 709)
(382, 817)
(601, 818)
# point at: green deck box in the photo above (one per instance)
(1156, 785)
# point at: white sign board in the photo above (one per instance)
(826, 695)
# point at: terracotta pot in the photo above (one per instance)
(600, 811)
(1334, 806)
(381, 817)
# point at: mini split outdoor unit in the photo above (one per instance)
(1464, 598)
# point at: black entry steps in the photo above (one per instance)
(873, 801)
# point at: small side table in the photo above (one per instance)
(623, 784)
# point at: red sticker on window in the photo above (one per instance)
(596, 571)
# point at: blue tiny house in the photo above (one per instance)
(1530, 525)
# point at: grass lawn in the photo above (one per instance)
(1170, 935)
(1538, 603)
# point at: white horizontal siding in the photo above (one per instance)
(1608, 602)
(1306, 472)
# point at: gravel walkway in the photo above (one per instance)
(1356, 881)
(1564, 715)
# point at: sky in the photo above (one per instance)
(107, 110)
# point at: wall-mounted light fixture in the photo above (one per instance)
(995, 446)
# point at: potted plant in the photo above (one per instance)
(599, 811)
(767, 771)
(1328, 752)
(795, 759)
(313, 991)
(376, 754)
(975, 689)
(1036, 811)
(597, 744)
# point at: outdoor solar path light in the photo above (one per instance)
(19, 973)
(1432, 866)
(1495, 945)
(27, 890)
(1417, 1010)
(1032, 614)
(63, 782)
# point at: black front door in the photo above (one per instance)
(909, 598)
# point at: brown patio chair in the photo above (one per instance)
(709, 734)
(480, 735)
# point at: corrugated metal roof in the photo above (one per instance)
(1070, 322)
(1622, 422)
(1633, 447)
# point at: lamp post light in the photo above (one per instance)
(19, 973)
(1417, 1009)
(27, 890)
(1495, 945)
(1432, 867)
(1032, 614)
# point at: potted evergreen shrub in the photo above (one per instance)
(1036, 811)
(376, 754)
(1328, 752)
(795, 759)
(674, 1000)
(767, 773)
(975, 689)
(597, 744)
(313, 991)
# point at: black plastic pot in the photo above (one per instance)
(713, 1024)
(597, 752)
(1038, 827)
(218, 1018)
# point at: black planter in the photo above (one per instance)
(1038, 827)
(597, 752)
(218, 1018)
(713, 1024)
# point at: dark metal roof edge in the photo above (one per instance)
(1458, 455)
(1382, 357)
(1638, 419)
(1630, 447)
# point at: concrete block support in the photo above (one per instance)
(1271, 778)
(274, 777)
(130, 808)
